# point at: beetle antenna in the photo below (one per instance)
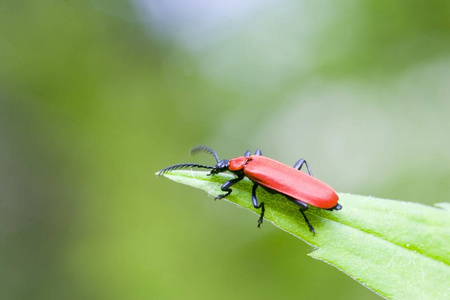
(182, 166)
(205, 149)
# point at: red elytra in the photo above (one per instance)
(286, 180)
(274, 176)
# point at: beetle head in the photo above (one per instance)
(221, 166)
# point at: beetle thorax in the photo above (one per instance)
(237, 164)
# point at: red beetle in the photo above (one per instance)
(300, 188)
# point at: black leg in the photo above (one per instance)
(303, 208)
(257, 205)
(247, 153)
(226, 187)
(307, 222)
(299, 164)
(258, 152)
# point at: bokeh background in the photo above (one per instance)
(96, 96)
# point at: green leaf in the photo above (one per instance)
(400, 250)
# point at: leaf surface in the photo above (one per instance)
(400, 250)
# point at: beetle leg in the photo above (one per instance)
(258, 152)
(247, 153)
(299, 164)
(226, 187)
(303, 208)
(257, 205)
(311, 228)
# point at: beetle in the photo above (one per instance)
(301, 188)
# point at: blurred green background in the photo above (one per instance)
(96, 96)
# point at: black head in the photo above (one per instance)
(221, 166)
